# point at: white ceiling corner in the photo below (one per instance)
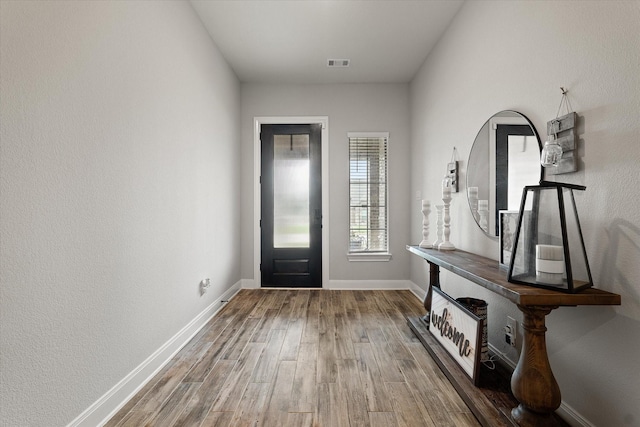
(289, 41)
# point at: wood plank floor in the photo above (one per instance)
(302, 358)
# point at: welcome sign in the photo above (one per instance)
(458, 330)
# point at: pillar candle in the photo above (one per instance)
(550, 264)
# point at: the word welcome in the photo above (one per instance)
(441, 323)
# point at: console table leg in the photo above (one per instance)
(533, 383)
(434, 280)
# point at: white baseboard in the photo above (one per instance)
(417, 291)
(507, 361)
(566, 412)
(573, 418)
(369, 284)
(106, 406)
(248, 284)
(356, 285)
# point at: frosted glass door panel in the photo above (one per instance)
(291, 191)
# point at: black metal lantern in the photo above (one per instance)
(548, 250)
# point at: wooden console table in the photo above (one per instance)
(532, 382)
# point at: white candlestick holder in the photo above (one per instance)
(446, 245)
(426, 210)
(436, 244)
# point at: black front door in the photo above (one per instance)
(291, 206)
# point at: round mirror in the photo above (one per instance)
(504, 158)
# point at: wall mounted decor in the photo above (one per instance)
(558, 154)
(452, 171)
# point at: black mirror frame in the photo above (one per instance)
(469, 162)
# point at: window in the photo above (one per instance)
(368, 214)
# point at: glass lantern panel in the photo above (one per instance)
(539, 250)
(577, 256)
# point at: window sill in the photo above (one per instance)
(369, 257)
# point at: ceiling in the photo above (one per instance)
(277, 41)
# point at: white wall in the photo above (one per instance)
(350, 107)
(515, 55)
(119, 182)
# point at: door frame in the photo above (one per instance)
(290, 120)
(494, 122)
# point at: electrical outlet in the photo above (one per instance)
(204, 286)
(511, 331)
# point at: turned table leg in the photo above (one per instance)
(434, 280)
(533, 383)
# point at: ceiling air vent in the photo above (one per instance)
(336, 63)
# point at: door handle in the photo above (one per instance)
(317, 217)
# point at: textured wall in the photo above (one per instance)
(350, 107)
(119, 180)
(516, 55)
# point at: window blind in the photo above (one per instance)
(368, 231)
